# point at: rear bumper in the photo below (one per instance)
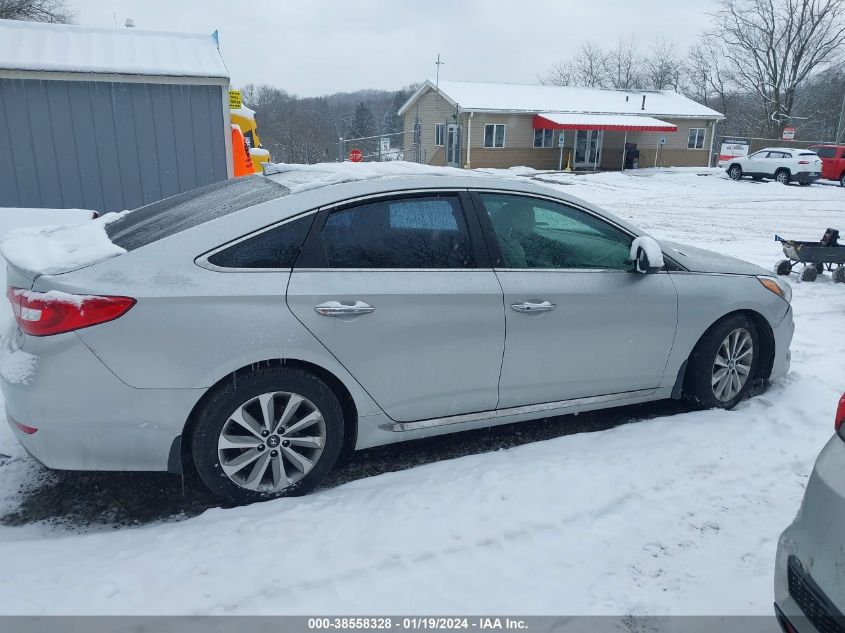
(86, 418)
(803, 176)
(813, 544)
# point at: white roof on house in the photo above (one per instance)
(472, 96)
(32, 46)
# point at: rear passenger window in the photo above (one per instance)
(275, 248)
(426, 232)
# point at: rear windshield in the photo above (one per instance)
(825, 152)
(186, 210)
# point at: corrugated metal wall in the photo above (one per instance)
(107, 146)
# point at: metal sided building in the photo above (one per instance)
(109, 119)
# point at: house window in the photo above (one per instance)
(494, 135)
(438, 133)
(544, 138)
(696, 138)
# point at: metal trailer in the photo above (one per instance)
(814, 257)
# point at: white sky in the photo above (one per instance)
(317, 47)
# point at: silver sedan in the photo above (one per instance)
(256, 329)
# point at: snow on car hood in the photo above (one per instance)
(45, 250)
(703, 261)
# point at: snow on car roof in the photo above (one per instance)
(538, 98)
(299, 178)
(70, 48)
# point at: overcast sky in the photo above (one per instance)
(316, 47)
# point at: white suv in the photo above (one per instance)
(783, 164)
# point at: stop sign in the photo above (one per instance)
(356, 156)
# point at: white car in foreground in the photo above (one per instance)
(783, 164)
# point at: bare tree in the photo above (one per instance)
(621, 65)
(662, 66)
(55, 11)
(588, 66)
(772, 48)
(560, 74)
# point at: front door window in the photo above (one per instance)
(588, 145)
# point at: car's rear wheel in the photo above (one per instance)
(735, 172)
(842, 180)
(721, 366)
(782, 176)
(271, 433)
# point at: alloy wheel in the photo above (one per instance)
(782, 177)
(732, 364)
(272, 441)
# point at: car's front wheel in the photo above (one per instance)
(735, 172)
(273, 432)
(721, 366)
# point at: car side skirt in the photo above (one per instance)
(559, 406)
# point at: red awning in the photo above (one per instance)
(607, 122)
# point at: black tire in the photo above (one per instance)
(783, 176)
(228, 397)
(839, 275)
(842, 180)
(783, 267)
(735, 172)
(698, 379)
(809, 273)
(819, 268)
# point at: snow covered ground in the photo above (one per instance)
(677, 514)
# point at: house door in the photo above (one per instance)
(453, 145)
(588, 145)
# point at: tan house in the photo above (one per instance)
(472, 124)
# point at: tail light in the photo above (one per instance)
(803, 162)
(48, 313)
(839, 420)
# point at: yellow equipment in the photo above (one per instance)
(244, 118)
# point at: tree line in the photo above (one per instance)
(307, 130)
(765, 64)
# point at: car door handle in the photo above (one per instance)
(531, 306)
(337, 308)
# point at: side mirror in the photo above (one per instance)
(646, 255)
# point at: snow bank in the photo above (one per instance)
(56, 249)
(304, 177)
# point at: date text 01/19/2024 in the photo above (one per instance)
(416, 623)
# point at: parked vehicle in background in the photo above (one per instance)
(783, 164)
(809, 584)
(258, 327)
(833, 161)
